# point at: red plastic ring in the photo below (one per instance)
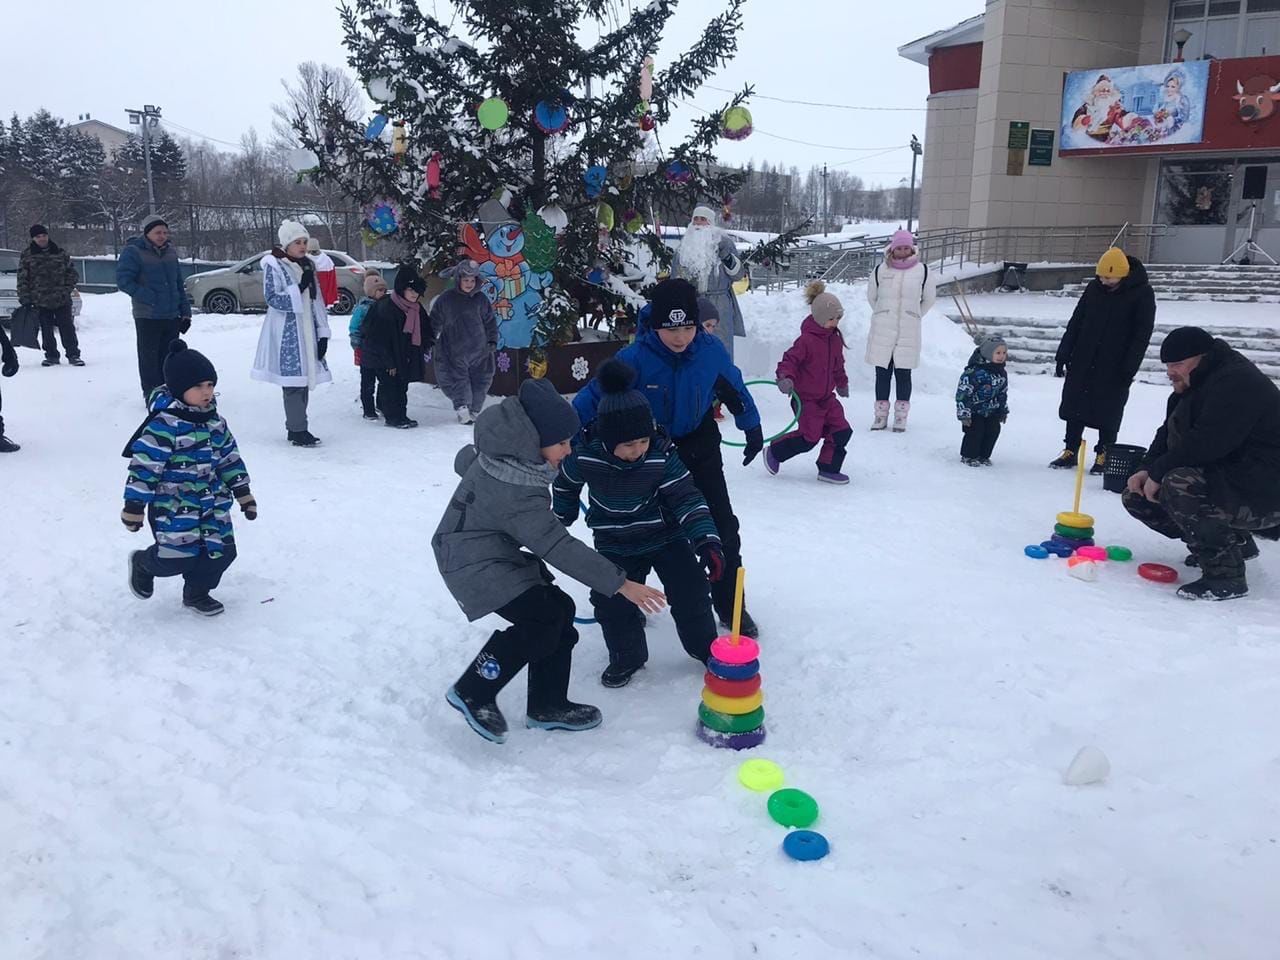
(731, 688)
(1157, 572)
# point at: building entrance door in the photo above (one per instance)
(1195, 200)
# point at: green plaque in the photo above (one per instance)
(1019, 134)
(1041, 148)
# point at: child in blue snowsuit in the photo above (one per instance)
(646, 514)
(375, 288)
(982, 401)
(683, 372)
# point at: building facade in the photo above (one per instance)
(111, 138)
(1060, 113)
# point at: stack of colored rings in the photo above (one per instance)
(1070, 533)
(730, 715)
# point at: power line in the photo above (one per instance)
(805, 143)
(204, 136)
(814, 103)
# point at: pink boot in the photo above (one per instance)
(882, 415)
(900, 411)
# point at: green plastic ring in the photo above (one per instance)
(793, 808)
(785, 430)
(1073, 533)
(1119, 554)
(727, 722)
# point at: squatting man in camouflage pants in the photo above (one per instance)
(1212, 475)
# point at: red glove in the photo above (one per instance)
(712, 557)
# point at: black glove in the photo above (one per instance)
(308, 281)
(322, 347)
(1061, 370)
(755, 443)
(184, 324)
(10, 367)
(712, 558)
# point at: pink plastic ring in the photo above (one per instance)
(1092, 553)
(735, 649)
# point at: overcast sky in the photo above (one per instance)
(216, 68)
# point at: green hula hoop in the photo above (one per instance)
(785, 430)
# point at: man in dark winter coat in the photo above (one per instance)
(46, 280)
(1212, 475)
(148, 272)
(1102, 351)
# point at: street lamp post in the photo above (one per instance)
(148, 118)
(1180, 37)
(916, 151)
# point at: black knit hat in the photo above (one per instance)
(675, 304)
(552, 416)
(185, 368)
(37, 229)
(624, 414)
(408, 278)
(1185, 343)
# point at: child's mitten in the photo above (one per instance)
(786, 386)
(132, 517)
(247, 504)
(712, 559)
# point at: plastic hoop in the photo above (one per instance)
(785, 430)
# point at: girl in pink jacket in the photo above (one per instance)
(814, 369)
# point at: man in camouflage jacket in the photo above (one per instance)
(46, 280)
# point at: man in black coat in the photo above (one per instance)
(1101, 353)
(1212, 475)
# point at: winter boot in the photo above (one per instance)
(971, 461)
(881, 421)
(616, 676)
(484, 718)
(141, 584)
(771, 462)
(1066, 460)
(748, 627)
(75, 361)
(371, 414)
(8, 446)
(1099, 462)
(204, 605)
(1222, 577)
(403, 423)
(49, 362)
(464, 416)
(900, 411)
(832, 476)
(303, 438)
(1248, 549)
(567, 716)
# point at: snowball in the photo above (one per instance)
(1090, 766)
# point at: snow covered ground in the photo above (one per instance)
(286, 781)
(1043, 306)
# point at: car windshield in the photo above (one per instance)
(8, 262)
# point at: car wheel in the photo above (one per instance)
(346, 303)
(221, 301)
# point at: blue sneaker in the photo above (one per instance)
(484, 718)
(570, 716)
(770, 461)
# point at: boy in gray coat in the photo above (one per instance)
(466, 336)
(493, 546)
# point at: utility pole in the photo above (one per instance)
(824, 199)
(916, 150)
(148, 118)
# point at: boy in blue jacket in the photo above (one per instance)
(646, 514)
(982, 401)
(683, 372)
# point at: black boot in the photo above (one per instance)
(484, 718)
(1066, 460)
(619, 676)
(7, 445)
(567, 716)
(205, 605)
(475, 693)
(1222, 579)
(749, 628)
(141, 584)
(303, 438)
(1099, 462)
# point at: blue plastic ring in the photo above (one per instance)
(805, 845)
(733, 671)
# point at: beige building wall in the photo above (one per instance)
(948, 160)
(1027, 47)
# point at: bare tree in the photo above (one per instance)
(316, 85)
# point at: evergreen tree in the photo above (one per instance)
(527, 53)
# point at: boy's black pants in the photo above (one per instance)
(700, 452)
(541, 636)
(199, 574)
(685, 585)
(393, 395)
(368, 383)
(980, 439)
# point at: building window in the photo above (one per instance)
(1195, 192)
(1223, 29)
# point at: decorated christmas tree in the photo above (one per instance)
(505, 135)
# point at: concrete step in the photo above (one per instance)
(1037, 325)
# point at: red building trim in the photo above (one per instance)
(955, 68)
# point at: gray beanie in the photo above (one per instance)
(151, 222)
(989, 345)
(552, 415)
(707, 311)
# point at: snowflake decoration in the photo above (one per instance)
(504, 362)
(580, 368)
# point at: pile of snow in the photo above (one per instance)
(773, 322)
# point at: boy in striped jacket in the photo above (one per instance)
(184, 471)
(646, 514)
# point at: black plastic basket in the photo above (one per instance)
(1122, 463)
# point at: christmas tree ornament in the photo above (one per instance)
(677, 172)
(605, 216)
(551, 116)
(646, 79)
(554, 217)
(726, 209)
(736, 123)
(633, 221)
(374, 130)
(300, 159)
(642, 108)
(647, 122)
(399, 140)
(380, 89)
(493, 113)
(433, 175)
(596, 276)
(537, 367)
(595, 178)
(539, 243)
(382, 217)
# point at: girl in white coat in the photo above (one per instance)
(295, 334)
(900, 291)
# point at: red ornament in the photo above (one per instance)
(646, 122)
(433, 175)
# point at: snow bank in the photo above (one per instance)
(773, 323)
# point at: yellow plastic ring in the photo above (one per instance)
(1069, 518)
(734, 706)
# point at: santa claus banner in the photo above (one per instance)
(1129, 107)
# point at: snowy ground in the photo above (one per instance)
(1183, 313)
(286, 781)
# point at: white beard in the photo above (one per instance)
(699, 255)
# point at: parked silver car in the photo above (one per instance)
(238, 288)
(9, 285)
